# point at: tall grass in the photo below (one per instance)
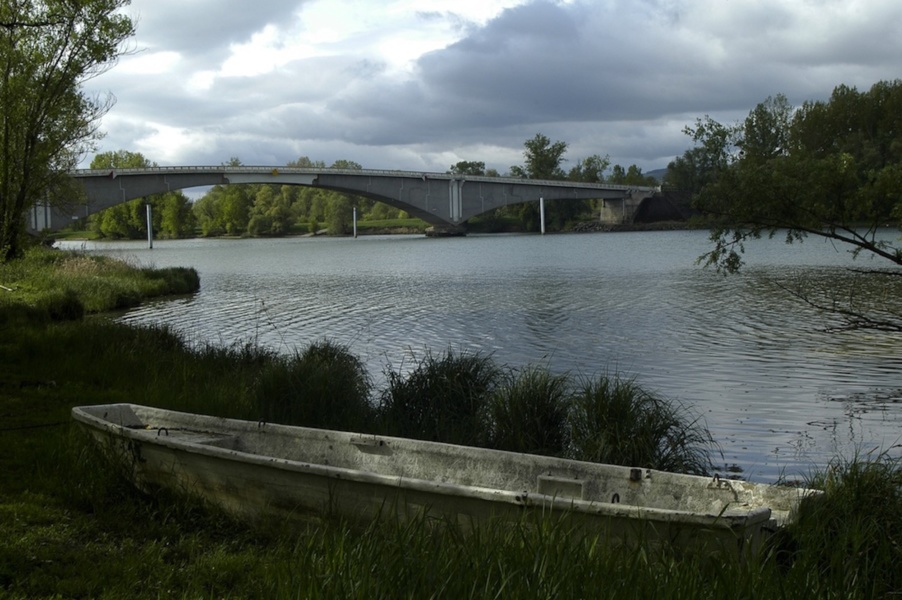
(528, 413)
(465, 398)
(614, 420)
(443, 398)
(52, 283)
(850, 537)
(323, 386)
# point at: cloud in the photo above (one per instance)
(412, 84)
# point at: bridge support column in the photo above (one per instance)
(149, 226)
(355, 222)
(542, 214)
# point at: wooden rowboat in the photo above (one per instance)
(261, 470)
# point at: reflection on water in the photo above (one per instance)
(779, 392)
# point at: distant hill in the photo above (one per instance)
(657, 174)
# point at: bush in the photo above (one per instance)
(528, 413)
(615, 421)
(443, 399)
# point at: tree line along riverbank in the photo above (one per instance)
(71, 526)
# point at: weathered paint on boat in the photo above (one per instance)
(261, 470)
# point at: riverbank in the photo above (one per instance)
(71, 526)
(416, 226)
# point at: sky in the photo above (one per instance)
(420, 85)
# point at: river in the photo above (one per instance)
(780, 393)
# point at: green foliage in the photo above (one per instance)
(528, 413)
(831, 169)
(69, 284)
(615, 421)
(339, 215)
(543, 158)
(630, 176)
(714, 151)
(47, 50)
(590, 170)
(121, 159)
(441, 399)
(467, 167)
(849, 537)
(324, 386)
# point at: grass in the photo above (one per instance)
(443, 398)
(71, 526)
(66, 285)
(615, 421)
(528, 413)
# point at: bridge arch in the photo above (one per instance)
(440, 199)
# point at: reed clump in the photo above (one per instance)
(614, 420)
(465, 398)
(323, 386)
(850, 537)
(442, 398)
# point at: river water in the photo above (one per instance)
(779, 392)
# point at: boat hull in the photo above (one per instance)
(267, 471)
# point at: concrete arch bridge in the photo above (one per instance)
(443, 200)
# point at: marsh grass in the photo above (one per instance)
(851, 536)
(528, 412)
(323, 386)
(614, 420)
(443, 398)
(50, 283)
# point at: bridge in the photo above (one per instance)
(443, 200)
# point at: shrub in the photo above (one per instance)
(528, 413)
(442, 399)
(615, 421)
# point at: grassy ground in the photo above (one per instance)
(72, 527)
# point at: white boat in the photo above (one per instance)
(260, 470)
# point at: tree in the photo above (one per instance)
(48, 49)
(630, 176)
(305, 163)
(348, 165)
(543, 159)
(830, 169)
(339, 214)
(590, 170)
(467, 167)
(715, 149)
